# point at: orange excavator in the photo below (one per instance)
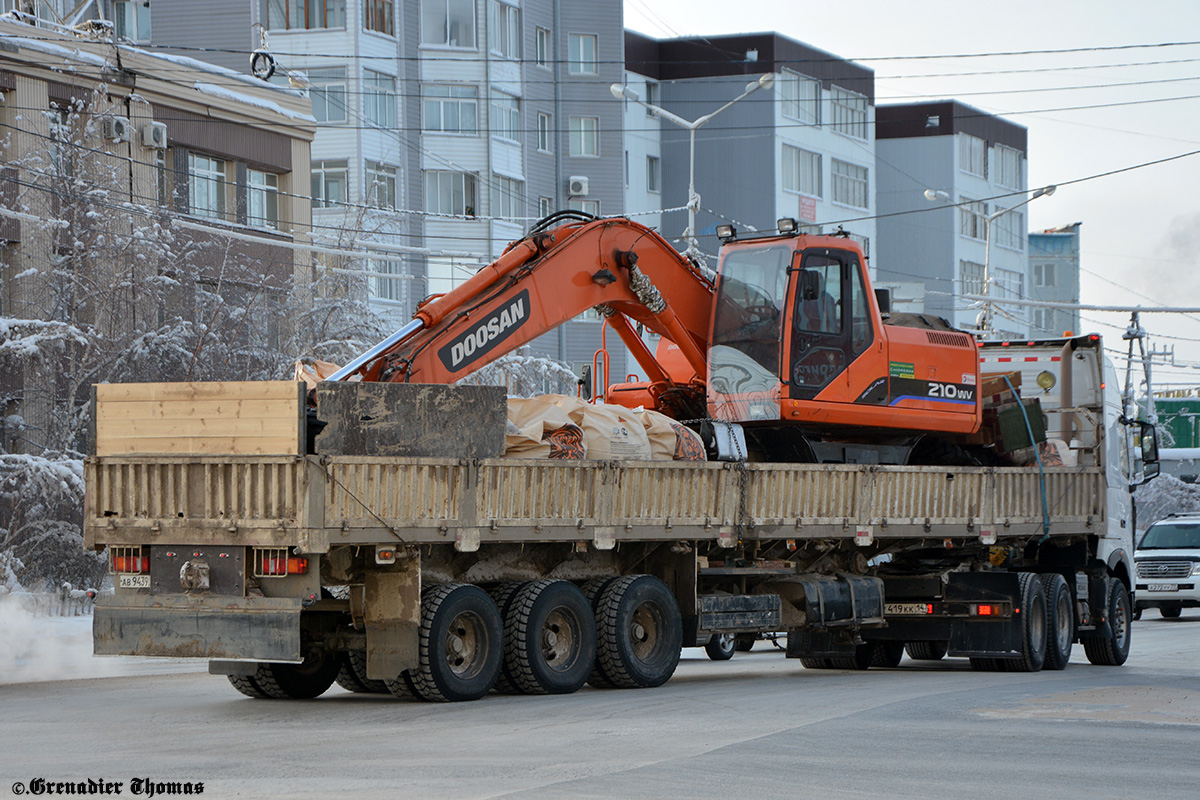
(788, 341)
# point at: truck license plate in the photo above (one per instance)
(1163, 587)
(905, 609)
(133, 581)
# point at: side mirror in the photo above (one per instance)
(1148, 444)
(883, 298)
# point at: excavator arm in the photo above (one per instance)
(623, 269)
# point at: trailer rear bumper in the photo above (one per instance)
(184, 626)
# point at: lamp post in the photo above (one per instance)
(985, 317)
(622, 92)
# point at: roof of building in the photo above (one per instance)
(945, 118)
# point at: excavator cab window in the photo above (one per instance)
(827, 331)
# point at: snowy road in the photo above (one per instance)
(757, 726)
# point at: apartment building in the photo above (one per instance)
(1054, 277)
(944, 169)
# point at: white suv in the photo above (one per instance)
(1168, 566)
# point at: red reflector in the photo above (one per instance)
(131, 564)
(984, 610)
(1093, 338)
(929, 608)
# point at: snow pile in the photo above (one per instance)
(1165, 495)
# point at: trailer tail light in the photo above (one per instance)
(128, 559)
(274, 562)
(984, 610)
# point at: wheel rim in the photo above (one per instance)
(725, 641)
(1037, 624)
(1062, 621)
(561, 639)
(645, 630)
(465, 646)
(1120, 622)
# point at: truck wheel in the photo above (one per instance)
(247, 686)
(887, 655)
(549, 638)
(460, 644)
(816, 663)
(927, 651)
(1113, 651)
(1060, 621)
(592, 590)
(639, 632)
(986, 664)
(743, 643)
(1033, 625)
(721, 646)
(1137, 612)
(503, 595)
(302, 681)
(1170, 612)
(352, 675)
(863, 655)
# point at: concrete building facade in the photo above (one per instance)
(1054, 277)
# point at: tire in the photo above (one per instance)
(639, 632)
(927, 651)
(887, 655)
(744, 644)
(863, 655)
(815, 663)
(721, 646)
(986, 664)
(1137, 612)
(1113, 651)
(1032, 619)
(1060, 621)
(1170, 612)
(503, 595)
(460, 646)
(592, 589)
(303, 681)
(549, 638)
(352, 676)
(247, 686)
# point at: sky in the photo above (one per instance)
(1141, 228)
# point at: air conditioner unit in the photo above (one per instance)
(117, 129)
(577, 186)
(154, 135)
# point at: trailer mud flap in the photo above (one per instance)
(980, 636)
(180, 626)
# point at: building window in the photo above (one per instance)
(504, 24)
(330, 181)
(801, 97)
(972, 155)
(653, 174)
(545, 207)
(543, 132)
(448, 22)
(586, 206)
(849, 112)
(451, 109)
(377, 16)
(306, 14)
(450, 193)
(1009, 167)
(801, 171)
(328, 94)
(849, 184)
(379, 98)
(585, 136)
(581, 53)
(652, 91)
(1043, 275)
(506, 116)
(970, 278)
(972, 219)
(381, 185)
(542, 54)
(1043, 319)
(206, 186)
(387, 279)
(508, 197)
(131, 20)
(1008, 283)
(262, 199)
(1010, 230)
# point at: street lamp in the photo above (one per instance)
(622, 92)
(985, 317)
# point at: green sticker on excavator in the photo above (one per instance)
(900, 369)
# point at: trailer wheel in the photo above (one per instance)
(1060, 621)
(927, 651)
(815, 663)
(639, 632)
(1170, 612)
(720, 646)
(503, 595)
(247, 686)
(592, 590)
(1113, 651)
(303, 681)
(886, 655)
(352, 675)
(549, 638)
(460, 644)
(744, 643)
(1033, 625)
